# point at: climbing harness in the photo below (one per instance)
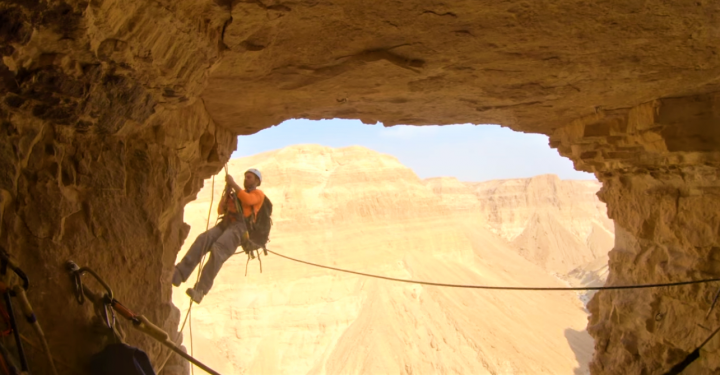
(249, 247)
(238, 208)
(252, 247)
(139, 322)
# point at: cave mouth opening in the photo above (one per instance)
(468, 152)
(484, 154)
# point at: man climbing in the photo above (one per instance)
(224, 238)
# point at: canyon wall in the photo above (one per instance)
(112, 112)
(357, 209)
(659, 172)
(103, 141)
(558, 225)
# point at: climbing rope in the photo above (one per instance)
(676, 370)
(177, 338)
(9, 290)
(712, 306)
(139, 322)
(37, 347)
(695, 354)
(251, 257)
(5, 291)
(9, 363)
(30, 317)
(188, 316)
(27, 311)
(489, 287)
(202, 262)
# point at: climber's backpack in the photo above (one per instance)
(260, 224)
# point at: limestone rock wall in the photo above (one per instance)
(102, 142)
(558, 225)
(658, 164)
(509, 204)
(357, 209)
(533, 66)
(112, 112)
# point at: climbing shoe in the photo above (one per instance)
(177, 278)
(196, 294)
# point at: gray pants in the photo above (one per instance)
(222, 245)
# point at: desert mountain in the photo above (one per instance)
(557, 225)
(357, 209)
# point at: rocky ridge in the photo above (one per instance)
(111, 113)
(357, 209)
(558, 225)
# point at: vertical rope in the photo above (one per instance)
(202, 261)
(192, 366)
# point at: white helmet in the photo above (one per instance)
(256, 173)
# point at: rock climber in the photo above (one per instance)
(224, 238)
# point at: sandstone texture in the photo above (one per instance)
(357, 209)
(659, 174)
(102, 143)
(558, 225)
(113, 112)
(533, 66)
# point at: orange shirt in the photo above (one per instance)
(251, 203)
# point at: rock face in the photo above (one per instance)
(112, 112)
(558, 225)
(530, 66)
(564, 224)
(101, 145)
(659, 174)
(357, 209)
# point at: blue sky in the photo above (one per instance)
(468, 152)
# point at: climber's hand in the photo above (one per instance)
(231, 182)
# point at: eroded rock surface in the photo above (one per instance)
(101, 144)
(660, 182)
(557, 225)
(357, 209)
(112, 112)
(528, 65)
